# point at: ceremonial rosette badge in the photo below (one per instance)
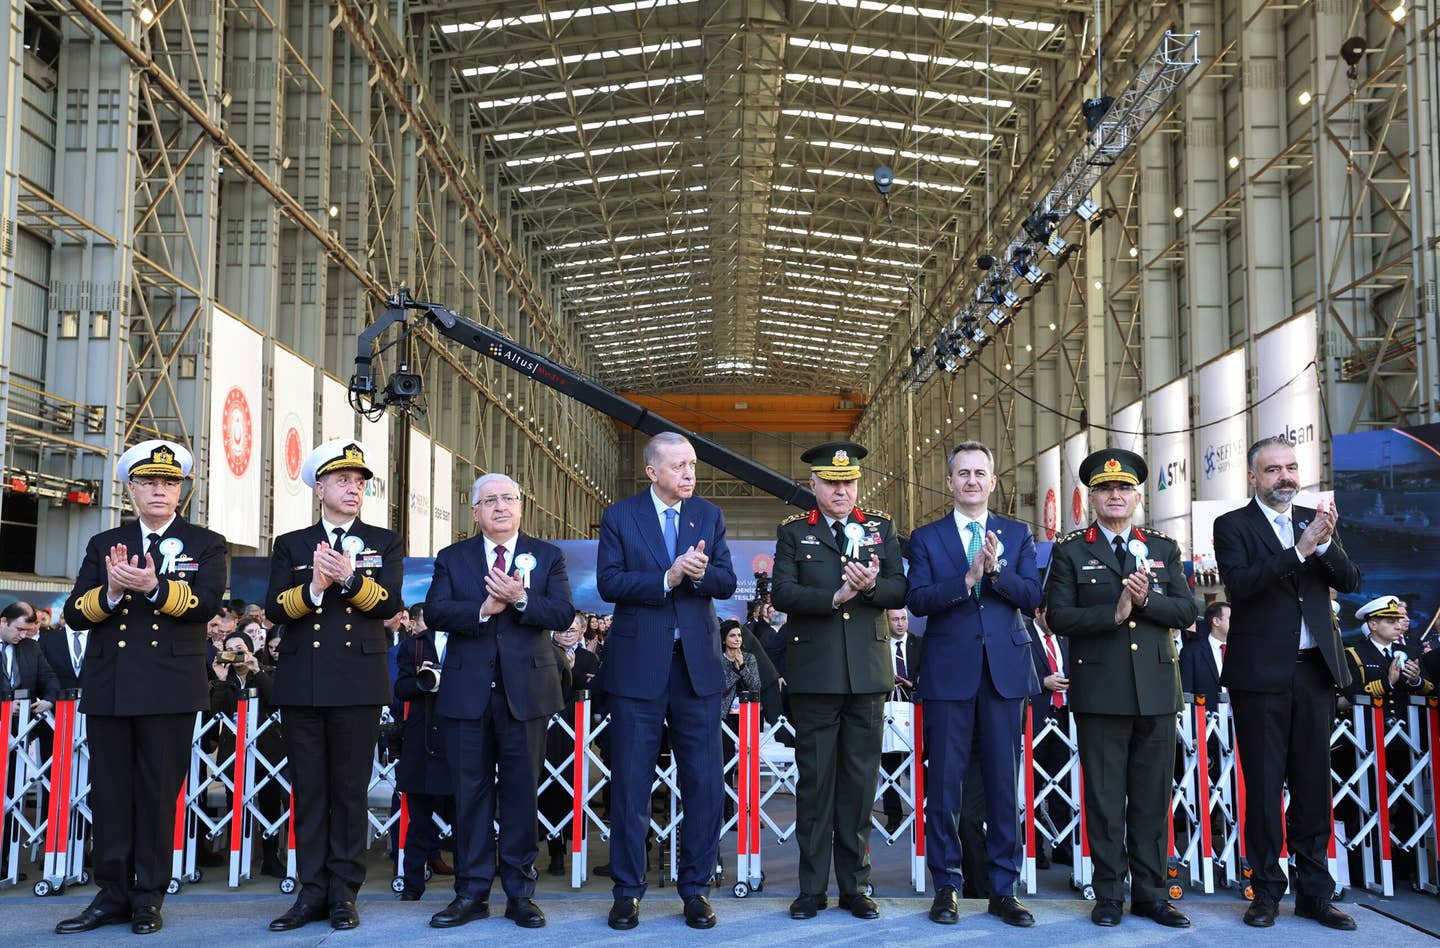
(238, 431)
(1052, 514)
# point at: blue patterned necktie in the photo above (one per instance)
(972, 548)
(672, 532)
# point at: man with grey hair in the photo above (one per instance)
(663, 562)
(497, 595)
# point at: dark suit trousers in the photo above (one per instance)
(1128, 765)
(474, 748)
(635, 728)
(422, 839)
(137, 765)
(331, 752)
(955, 731)
(1286, 736)
(837, 752)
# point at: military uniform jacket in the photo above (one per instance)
(1372, 670)
(333, 655)
(835, 651)
(1129, 668)
(148, 656)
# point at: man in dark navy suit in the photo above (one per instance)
(498, 594)
(422, 773)
(1202, 660)
(973, 573)
(663, 562)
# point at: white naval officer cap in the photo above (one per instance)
(1382, 607)
(154, 458)
(342, 454)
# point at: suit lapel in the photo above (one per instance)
(688, 530)
(955, 543)
(648, 523)
(1260, 520)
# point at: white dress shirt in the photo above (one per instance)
(1216, 646)
(1287, 539)
(441, 640)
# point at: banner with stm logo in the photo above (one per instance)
(1224, 420)
(1167, 496)
(232, 481)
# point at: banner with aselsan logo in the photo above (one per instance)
(233, 479)
(292, 433)
(1223, 435)
(442, 530)
(1288, 392)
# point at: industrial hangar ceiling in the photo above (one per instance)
(701, 173)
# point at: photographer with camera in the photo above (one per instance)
(422, 774)
(236, 669)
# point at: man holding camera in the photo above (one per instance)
(333, 584)
(497, 594)
(422, 773)
(237, 671)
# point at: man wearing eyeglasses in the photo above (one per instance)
(497, 595)
(1116, 590)
(145, 591)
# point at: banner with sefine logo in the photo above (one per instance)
(233, 479)
(1167, 495)
(1075, 501)
(442, 502)
(418, 475)
(1223, 433)
(292, 431)
(1047, 494)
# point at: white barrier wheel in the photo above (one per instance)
(43, 888)
(428, 874)
(397, 885)
(741, 890)
(173, 886)
(197, 875)
(288, 885)
(869, 890)
(1088, 892)
(84, 876)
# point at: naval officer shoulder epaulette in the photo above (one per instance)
(792, 518)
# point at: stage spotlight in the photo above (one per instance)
(1087, 209)
(1352, 51)
(1056, 245)
(984, 262)
(1094, 110)
(996, 315)
(884, 178)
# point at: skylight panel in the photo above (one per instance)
(613, 258)
(853, 49)
(932, 13)
(892, 125)
(903, 153)
(581, 92)
(597, 179)
(817, 252)
(593, 153)
(561, 16)
(848, 238)
(881, 88)
(903, 182)
(593, 126)
(595, 55)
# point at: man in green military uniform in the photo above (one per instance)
(1117, 590)
(837, 569)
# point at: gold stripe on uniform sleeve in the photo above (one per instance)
(294, 602)
(90, 605)
(1376, 689)
(369, 595)
(177, 598)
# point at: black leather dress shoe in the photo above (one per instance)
(147, 921)
(344, 916)
(1324, 912)
(300, 914)
(1161, 912)
(89, 920)
(945, 910)
(1011, 911)
(624, 913)
(410, 895)
(1261, 913)
(859, 905)
(1108, 913)
(808, 906)
(525, 913)
(461, 910)
(698, 913)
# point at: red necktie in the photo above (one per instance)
(1057, 698)
(500, 558)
